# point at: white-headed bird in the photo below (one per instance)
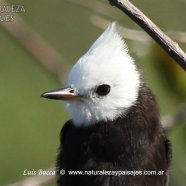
(114, 136)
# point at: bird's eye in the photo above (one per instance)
(103, 90)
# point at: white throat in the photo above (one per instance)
(106, 62)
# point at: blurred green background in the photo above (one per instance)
(30, 126)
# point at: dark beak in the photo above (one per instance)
(62, 94)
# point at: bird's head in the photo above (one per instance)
(103, 84)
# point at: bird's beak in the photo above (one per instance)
(62, 94)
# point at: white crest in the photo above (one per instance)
(106, 62)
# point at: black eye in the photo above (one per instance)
(103, 90)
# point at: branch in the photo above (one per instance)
(171, 47)
(98, 7)
(35, 180)
(128, 33)
(135, 35)
(178, 117)
(37, 46)
(131, 34)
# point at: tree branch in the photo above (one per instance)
(37, 46)
(171, 47)
(98, 7)
(136, 35)
(131, 34)
(173, 120)
(34, 181)
(128, 33)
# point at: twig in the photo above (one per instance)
(128, 33)
(131, 34)
(34, 181)
(171, 47)
(98, 7)
(178, 117)
(37, 46)
(136, 35)
(177, 35)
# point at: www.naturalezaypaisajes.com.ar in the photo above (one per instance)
(33, 172)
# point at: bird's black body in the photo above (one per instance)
(135, 141)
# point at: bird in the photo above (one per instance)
(114, 136)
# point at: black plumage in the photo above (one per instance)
(134, 141)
